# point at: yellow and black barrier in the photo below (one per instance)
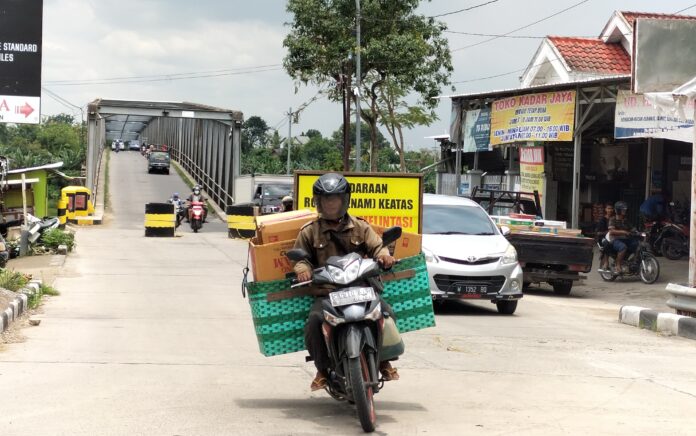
(62, 213)
(160, 219)
(240, 220)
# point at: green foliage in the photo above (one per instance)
(12, 280)
(57, 139)
(254, 133)
(35, 299)
(262, 161)
(54, 237)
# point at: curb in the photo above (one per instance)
(663, 322)
(19, 305)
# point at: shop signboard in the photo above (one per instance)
(20, 61)
(637, 117)
(545, 117)
(532, 169)
(382, 199)
(477, 130)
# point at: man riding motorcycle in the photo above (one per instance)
(196, 195)
(335, 233)
(179, 207)
(620, 235)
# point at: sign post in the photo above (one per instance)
(20, 61)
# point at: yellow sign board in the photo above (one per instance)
(383, 199)
(532, 169)
(547, 116)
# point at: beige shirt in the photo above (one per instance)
(357, 236)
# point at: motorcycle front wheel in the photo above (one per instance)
(649, 269)
(608, 276)
(363, 393)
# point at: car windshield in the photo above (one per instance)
(456, 220)
(280, 190)
(159, 155)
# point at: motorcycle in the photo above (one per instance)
(196, 213)
(179, 210)
(354, 327)
(641, 263)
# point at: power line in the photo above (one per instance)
(162, 78)
(496, 35)
(52, 82)
(60, 99)
(686, 8)
(463, 10)
(523, 27)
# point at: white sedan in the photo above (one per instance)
(468, 257)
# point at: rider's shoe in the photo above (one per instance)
(319, 381)
(388, 372)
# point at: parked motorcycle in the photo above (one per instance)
(196, 213)
(641, 263)
(353, 328)
(670, 236)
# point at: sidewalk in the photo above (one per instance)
(45, 268)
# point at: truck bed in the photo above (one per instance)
(549, 250)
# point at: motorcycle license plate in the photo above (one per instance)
(348, 296)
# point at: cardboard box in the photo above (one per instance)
(282, 226)
(268, 261)
(409, 244)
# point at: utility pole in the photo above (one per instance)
(357, 89)
(287, 145)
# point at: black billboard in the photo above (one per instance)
(20, 47)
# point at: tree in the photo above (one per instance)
(395, 114)
(396, 43)
(254, 133)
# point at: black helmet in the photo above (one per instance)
(332, 184)
(620, 206)
(197, 188)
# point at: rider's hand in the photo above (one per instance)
(304, 276)
(386, 261)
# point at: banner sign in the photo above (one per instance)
(20, 60)
(383, 199)
(477, 130)
(455, 122)
(532, 169)
(636, 117)
(547, 116)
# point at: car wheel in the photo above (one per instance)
(562, 287)
(167, 172)
(506, 307)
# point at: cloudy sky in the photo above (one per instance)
(234, 49)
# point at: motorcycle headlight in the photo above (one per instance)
(510, 255)
(430, 256)
(375, 314)
(333, 320)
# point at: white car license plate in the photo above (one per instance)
(348, 296)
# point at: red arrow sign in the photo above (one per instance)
(26, 110)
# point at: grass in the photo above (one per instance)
(35, 299)
(53, 238)
(12, 280)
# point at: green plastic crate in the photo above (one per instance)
(280, 324)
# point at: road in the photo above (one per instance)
(151, 336)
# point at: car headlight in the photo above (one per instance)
(510, 255)
(430, 256)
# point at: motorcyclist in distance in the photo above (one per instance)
(335, 233)
(196, 195)
(620, 235)
(179, 207)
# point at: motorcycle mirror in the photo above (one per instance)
(390, 235)
(297, 254)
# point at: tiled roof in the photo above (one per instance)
(592, 55)
(632, 16)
